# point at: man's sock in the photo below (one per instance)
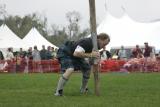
(84, 85)
(61, 84)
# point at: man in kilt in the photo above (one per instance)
(72, 56)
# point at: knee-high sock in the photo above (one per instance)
(84, 84)
(85, 78)
(61, 83)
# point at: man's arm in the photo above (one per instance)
(80, 52)
(83, 55)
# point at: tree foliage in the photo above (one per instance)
(59, 38)
(73, 19)
(21, 26)
(3, 13)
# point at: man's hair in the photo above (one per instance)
(103, 36)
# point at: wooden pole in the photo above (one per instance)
(95, 67)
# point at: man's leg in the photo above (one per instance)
(85, 78)
(86, 70)
(62, 81)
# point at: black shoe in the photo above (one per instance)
(84, 91)
(59, 93)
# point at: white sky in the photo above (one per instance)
(55, 10)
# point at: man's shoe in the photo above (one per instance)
(59, 93)
(84, 91)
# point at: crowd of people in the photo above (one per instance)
(139, 58)
(143, 61)
(22, 58)
(123, 53)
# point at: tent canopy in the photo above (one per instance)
(8, 38)
(35, 38)
(127, 32)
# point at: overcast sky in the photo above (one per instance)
(55, 10)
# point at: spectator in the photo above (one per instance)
(147, 50)
(29, 53)
(9, 54)
(30, 58)
(19, 64)
(43, 53)
(122, 54)
(1, 56)
(24, 60)
(36, 54)
(22, 53)
(136, 51)
(36, 59)
(115, 54)
(10, 58)
(105, 54)
(53, 53)
(49, 53)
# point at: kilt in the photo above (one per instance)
(68, 61)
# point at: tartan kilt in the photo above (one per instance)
(68, 61)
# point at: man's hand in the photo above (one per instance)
(95, 54)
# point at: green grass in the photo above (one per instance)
(117, 90)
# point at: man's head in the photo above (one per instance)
(21, 49)
(137, 46)
(146, 43)
(122, 47)
(30, 49)
(43, 46)
(35, 47)
(103, 39)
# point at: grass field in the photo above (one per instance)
(117, 90)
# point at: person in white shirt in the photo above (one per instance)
(122, 54)
(9, 54)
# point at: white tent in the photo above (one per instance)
(35, 38)
(8, 38)
(127, 32)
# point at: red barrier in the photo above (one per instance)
(111, 65)
(30, 66)
(49, 66)
(45, 66)
(3, 66)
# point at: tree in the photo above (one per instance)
(59, 38)
(21, 26)
(3, 13)
(40, 22)
(73, 18)
(84, 33)
(54, 29)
